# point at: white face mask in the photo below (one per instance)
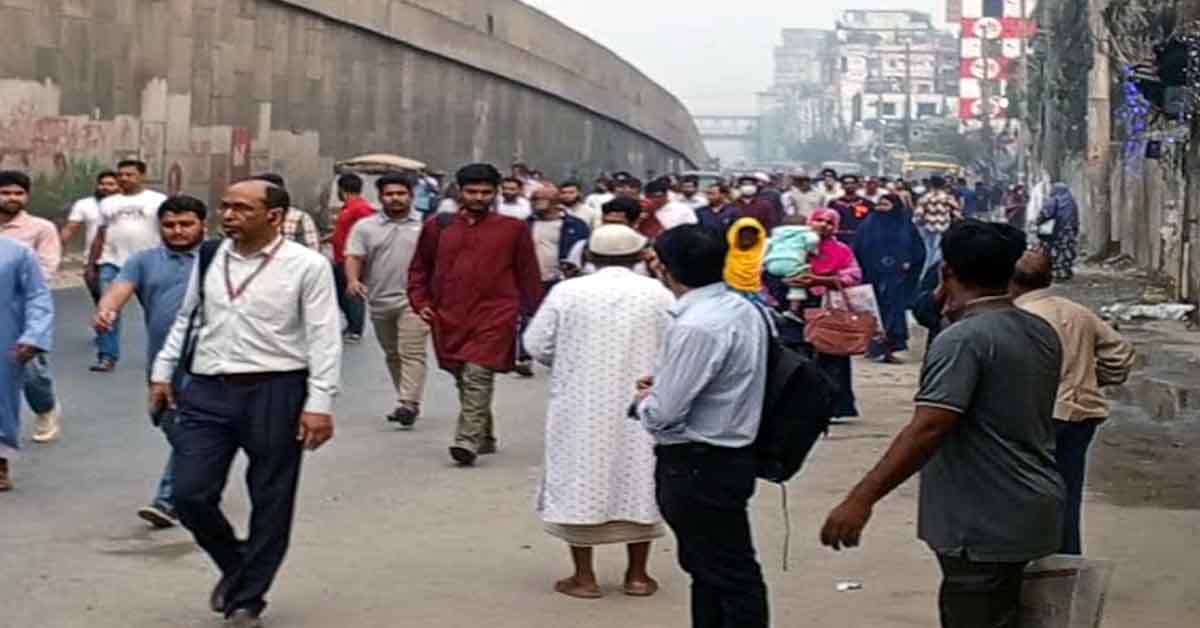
(748, 190)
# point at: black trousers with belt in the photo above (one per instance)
(217, 416)
(703, 493)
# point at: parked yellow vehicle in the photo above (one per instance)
(922, 166)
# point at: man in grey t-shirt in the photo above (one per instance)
(982, 435)
(378, 253)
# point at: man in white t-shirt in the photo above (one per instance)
(600, 195)
(128, 225)
(511, 203)
(85, 215)
(570, 195)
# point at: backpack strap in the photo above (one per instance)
(205, 256)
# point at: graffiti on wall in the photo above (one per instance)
(64, 153)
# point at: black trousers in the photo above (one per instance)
(703, 493)
(980, 595)
(217, 416)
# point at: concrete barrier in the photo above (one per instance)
(208, 91)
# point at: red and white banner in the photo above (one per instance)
(973, 88)
(993, 8)
(991, 69)
(972, 48)
(998, 28)
(972, 108)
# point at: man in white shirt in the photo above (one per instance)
(689, 192)
(831, 189)
(801, 200)
(555, 233)
(570, 195)
(85, 214)
(511, 202)
(600, 195)
(378, 254)
(264, 365)
(666, 213)
(128, 225)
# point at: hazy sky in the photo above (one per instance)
(713, 54)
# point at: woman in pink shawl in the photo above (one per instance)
(833, 267)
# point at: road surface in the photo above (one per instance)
(389, 534)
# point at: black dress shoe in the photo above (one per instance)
(463, 456)
(243, 618)
(523, 369)
(217, 599)
(404, 415)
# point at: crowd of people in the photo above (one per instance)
(653, 305)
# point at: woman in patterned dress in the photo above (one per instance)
(1061, 213)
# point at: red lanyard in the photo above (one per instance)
(229, 289)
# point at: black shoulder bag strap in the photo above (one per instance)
(206, 255)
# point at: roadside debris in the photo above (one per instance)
(1140, 311)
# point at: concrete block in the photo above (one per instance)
(179, 130)
(126, 11)
(181, 13)
(78, 8)
(179, 64)
(46, 31)
(264, 73)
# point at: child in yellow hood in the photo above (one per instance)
(743, 264)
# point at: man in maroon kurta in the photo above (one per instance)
(470, 278)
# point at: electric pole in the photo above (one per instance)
(908, 99)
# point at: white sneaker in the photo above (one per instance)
(48, 425)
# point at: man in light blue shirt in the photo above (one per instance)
(159, 277)
(703, 406)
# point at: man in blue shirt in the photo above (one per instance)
(159, 277)
(703, 406)
(970, 202)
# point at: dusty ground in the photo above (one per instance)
(1140, 460)
(388, 534)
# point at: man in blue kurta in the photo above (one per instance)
(159, 277)
(26, 329)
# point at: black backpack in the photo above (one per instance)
(797, 407)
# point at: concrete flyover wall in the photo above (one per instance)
(208, 91)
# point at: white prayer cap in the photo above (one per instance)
(615, 241)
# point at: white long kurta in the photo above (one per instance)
(599, 334)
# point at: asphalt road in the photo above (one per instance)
(388, 533)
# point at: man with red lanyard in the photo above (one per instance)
(354, 209)
(264, 364)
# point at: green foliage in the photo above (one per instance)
(53, 195)
(945, 139)
(816, 150)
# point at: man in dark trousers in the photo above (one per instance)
(264, 363)
(472, 276)
(982, 436)
(703, 406)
